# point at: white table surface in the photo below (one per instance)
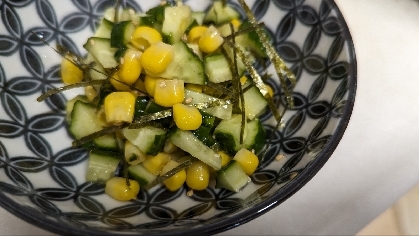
(376, 162)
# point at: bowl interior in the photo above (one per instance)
(42, 176)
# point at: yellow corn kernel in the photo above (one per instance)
(133, 155)
(117, 188)
(157, 58)
(248, 160)
(120, 86)
(70, 73)
(270, 90)
(150, 84)
(101, 117)
(139, 88)
(169, 92)
(90, 93)
(154, 164)
(186, 117)
(195, 34)
(130, 67)
(211, 40)
(144, 36)
(194, 87)
(197, 176)
(243, 80)
(236, 24)
(225, 158)
(139, 84)
(176, 181)
(119, 107)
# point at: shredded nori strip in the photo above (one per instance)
(257, 80)
(215, 103)
(265, 150)
(245, 30)
(68, 87)
(280, 66)
(138, 123)
(98, 134)
(183, 165)
(237, 88)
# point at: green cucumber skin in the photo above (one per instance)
(140, 174)
(258, 142)
(121, 34)
(227, 134)
(150, 140)
(186, 141)
(251, 41)
(186, 66)
(84, 122)
(220, 15)
(140, 106)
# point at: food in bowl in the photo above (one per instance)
(151, 113)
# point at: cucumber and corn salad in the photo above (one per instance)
(167, 100)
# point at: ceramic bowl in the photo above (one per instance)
(42, 176)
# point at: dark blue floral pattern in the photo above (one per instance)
(38, 164)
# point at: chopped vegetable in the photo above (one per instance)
(166, 93)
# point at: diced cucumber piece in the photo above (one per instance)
(84, 121)
(186, 141)
(208, 120)
(101, 49)
(217, 68)
(251, 41)
(198, 16)
(101, 167)
(125, 15)
(143, 20)
(256, 136)
(97, 72)
(70, 105)
(185, 66)
(254, 103)
(121, 34)
(176, 21)
(222, 112)
(104, 30)
(204, 135)
(195, 49)
(109, 15)
(227, 133)
(232, 177)
(158, 13)
(241, 68)
(141, 174)
(148, 139)
(225, 30)
(218, 14)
